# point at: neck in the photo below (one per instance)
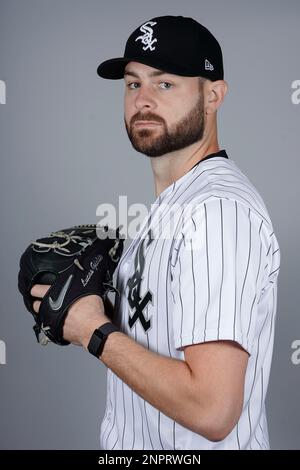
(170, 167)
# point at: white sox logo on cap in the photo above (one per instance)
(147, 37)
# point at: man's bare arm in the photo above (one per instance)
(204, 393)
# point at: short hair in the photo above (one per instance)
(201, 81)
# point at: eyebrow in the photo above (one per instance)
(155, 73)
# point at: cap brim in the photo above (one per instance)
(114, 68)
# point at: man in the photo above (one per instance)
(189, 361)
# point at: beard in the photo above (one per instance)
(157, 141)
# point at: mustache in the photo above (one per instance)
(146, 117)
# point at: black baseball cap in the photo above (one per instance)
(174, 44)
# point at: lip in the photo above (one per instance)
(146, 123)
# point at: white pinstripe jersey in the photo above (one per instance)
(208, 273)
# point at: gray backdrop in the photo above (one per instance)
(64, 151)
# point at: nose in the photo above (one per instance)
(145, 99)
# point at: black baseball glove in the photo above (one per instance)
(77, 261)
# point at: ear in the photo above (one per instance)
(214, 95)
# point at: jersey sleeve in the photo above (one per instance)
(217, 274)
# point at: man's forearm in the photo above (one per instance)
(165, 383)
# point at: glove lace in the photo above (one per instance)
(69, 237)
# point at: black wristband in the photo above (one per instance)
(99, 338)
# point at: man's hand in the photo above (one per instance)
(84, 316)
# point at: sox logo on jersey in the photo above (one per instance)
(136, 302)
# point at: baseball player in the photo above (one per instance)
(190, 346)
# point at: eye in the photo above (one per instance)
(132, 86)
(165, 85)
